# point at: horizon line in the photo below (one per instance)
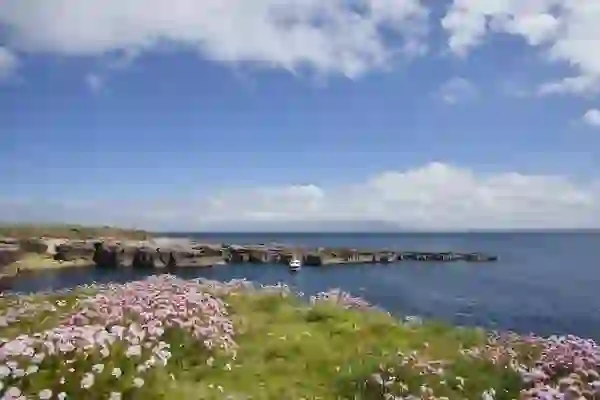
(513, 230)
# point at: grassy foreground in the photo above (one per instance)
(76, 232)
(168, 338)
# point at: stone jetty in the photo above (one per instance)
(171, 254)
(168, 254)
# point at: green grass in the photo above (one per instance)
(288, 350)
(54, 308)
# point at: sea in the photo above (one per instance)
(543, 283)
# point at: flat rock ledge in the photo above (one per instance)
(169, 254)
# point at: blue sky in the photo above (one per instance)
(184, 116)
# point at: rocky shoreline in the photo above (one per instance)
(169, 254)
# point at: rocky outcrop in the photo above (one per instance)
(182, 254)
(147, 257)
(10, 252)
(70, 251)
(33, 245)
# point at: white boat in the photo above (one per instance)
(295, 265)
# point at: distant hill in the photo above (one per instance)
(345, 226)
(302, 226)
(23, 231)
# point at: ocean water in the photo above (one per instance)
(545, 283)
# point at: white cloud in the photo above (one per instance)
(457, 90)
(330, 36)
(592, 117)
(567, 30)
(8, 63)
(95, 82)
(435, 196)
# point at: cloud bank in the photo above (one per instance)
(457, 90)
(566, 31)
(436, 196)
(333, 36)
(8, 64)
(592, 117)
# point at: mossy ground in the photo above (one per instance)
(288, 350)
(70, 231)
(35, 262)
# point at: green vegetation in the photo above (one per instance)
(34, 261)
(26, 231)
(289, 350)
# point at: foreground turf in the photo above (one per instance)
(168, 338)
(289, 351)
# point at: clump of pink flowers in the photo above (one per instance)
(114, 340)
(558, 367)
(554, 368)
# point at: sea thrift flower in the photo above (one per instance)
(132, 351)
(87, 381)
(13, 392)
(32, 369)
(4, 371)
(138, 382)
(98, 368)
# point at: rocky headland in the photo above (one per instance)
(169, 254)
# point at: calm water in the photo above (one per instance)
(544, 283)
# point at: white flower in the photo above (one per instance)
(13, 392)
(98, 368)
(32, 369)
(134, 350)
(38, 358)
(4, 371)
(62, 396)
(138, 382)
(87, 381)
(114, 396)
(45, 394)
(116, 372)
(18, 373)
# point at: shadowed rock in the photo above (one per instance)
(74, 250)
(38, 246)
(9, 254)
(143, 258)
(146, 255)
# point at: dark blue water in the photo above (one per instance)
(544, 282)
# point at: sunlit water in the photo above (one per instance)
(544, 283)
